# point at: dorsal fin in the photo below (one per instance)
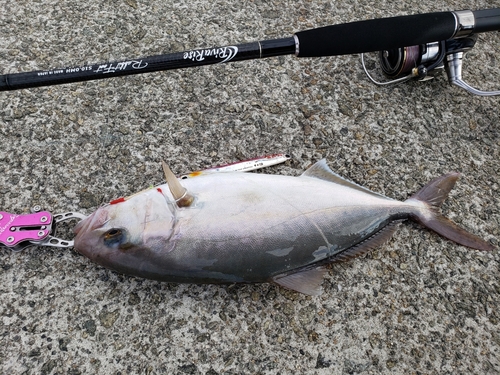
(370, 243)
(307, 281)
(322, 171)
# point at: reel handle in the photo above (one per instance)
(453, 65)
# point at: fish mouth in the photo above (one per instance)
(84, 230)
(94, 221)
(82, 224)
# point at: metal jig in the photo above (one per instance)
(243, 165)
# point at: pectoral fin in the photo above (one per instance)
(307, 282)
(179, 192)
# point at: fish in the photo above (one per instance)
(238, 227)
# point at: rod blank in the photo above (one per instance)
(355, 37)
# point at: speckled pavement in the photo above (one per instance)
(417, 305)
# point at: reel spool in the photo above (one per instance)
(423, 61)
(402, 61)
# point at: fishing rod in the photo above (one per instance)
(381, 34)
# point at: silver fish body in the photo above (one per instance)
(246, 227)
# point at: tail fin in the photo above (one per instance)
(432, 196)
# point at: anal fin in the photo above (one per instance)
(368, 244)
(307, 282)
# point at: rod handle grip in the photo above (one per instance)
(376, 34)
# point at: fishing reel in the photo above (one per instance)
(423, 62)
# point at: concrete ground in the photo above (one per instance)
(417, 305)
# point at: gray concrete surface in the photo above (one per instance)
(417, 305)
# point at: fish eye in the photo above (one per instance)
(113, 236)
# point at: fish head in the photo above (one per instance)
(128, 234)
